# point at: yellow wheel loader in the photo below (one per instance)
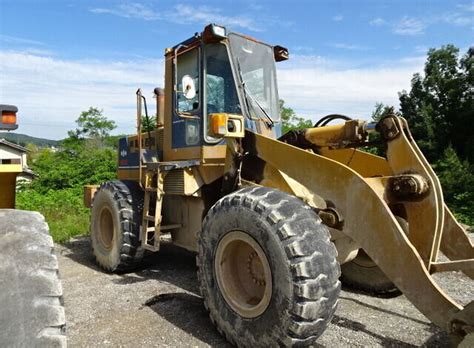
(272, 216)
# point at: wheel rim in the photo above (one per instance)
(363, 260)
(106, 228)
(243, 274)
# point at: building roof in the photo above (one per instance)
(28, 173)
(13, 145)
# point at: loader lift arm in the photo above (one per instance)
(364, 202)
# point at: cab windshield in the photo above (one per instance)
(255, 67)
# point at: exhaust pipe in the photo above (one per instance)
(160, 106)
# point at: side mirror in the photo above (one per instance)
(280, 53)
(189, 89)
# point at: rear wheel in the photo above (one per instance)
(363, 273)
(115, 225)
(267, 269)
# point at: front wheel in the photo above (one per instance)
(267, 269)
(115, 225)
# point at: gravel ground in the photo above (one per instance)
(159, 306)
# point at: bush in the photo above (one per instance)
(58, 191)
(63, 210)
(457, 179)
(86, 157)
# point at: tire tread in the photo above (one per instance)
(307, 246)
(129, 198)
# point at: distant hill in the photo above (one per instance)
(23, 139)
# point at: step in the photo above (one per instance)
(149, 218)
(164, 227)
(150, 247)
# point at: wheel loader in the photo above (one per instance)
(272, 217)
(31, 304)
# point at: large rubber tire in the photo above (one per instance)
(301, 259)
(31, 306)
(363, 274)
(115, 225)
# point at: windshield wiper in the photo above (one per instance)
(248, 95)
(247, 92)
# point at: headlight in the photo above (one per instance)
(214, 33)
(218, 30)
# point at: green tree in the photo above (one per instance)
(148, 124)
(381, 110)
(440, 111)
(458, 184)
(92, 124)
(81, 161)
(290, 120)
(440, 105)
(32, 153)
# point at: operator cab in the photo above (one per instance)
(223, 82)
(217, 84)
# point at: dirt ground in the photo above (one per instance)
(159, 306)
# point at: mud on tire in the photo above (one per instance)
(115, 225)
(31, 305)
(301, 258)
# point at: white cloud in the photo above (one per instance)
(19, 40)
(318, 90)
(460, 19)
(338, 18)
(421, 49)
(51, 92)
(466, 7)
(306, 49)
(182, 14)
(132, 10)
(409, 26)
(349, 47)
(205, 15)
(412, 26)
(377, 22)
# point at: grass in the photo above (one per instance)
(63, 210)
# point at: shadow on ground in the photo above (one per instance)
(184, 308)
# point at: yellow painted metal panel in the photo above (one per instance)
(364, 163)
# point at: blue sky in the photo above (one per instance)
(57, 58)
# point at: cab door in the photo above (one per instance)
(187, 100)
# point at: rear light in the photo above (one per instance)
(9, 118)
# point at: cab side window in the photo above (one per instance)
(220, 86)
(187, 83)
